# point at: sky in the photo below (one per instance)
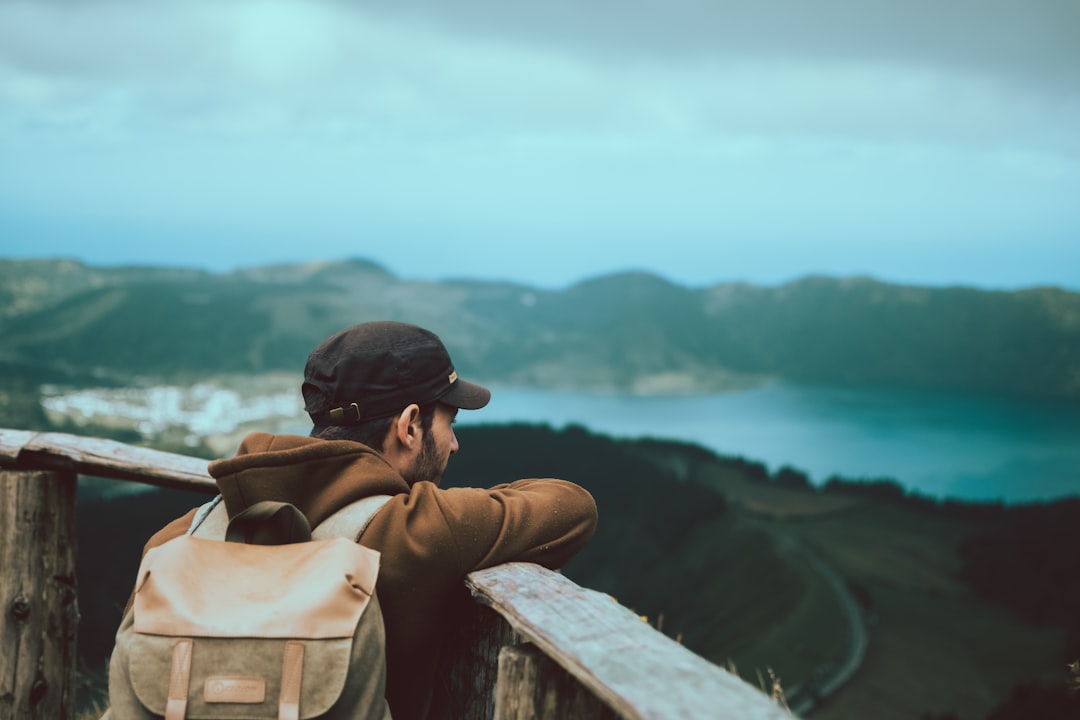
(928, 142)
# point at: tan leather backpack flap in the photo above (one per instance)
(204, 588)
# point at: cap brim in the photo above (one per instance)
(467, 396)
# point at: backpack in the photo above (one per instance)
(271, 620)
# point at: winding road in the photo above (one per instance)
(832, 676)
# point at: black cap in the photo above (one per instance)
(376, 369)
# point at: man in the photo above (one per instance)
(383, 397)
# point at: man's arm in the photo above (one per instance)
(545, 521)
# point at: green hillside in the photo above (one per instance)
(629, 332)
(713, 550)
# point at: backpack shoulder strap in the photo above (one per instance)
(202, 513)
(211, 522)
(351, 520)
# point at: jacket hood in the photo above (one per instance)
(317, 476)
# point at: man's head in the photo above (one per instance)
(393, 387)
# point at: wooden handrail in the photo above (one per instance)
(538, 644)
(633, 669)
(20, 449)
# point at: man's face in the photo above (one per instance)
(436, 447)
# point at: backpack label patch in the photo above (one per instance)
(231, 689)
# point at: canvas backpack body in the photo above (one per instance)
(268, 624)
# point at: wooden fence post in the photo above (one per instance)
(470, 661)
(532, 686)
(40, 617)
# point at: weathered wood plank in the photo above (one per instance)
(637, 671)
(40, 615)
(12, 442)
(103, 458)
(532, 686)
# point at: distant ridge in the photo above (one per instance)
(629, 332)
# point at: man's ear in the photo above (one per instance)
(406, 427)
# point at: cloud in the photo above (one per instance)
(783, 123)
(1032, 39)
(414, 71)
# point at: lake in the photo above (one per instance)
(938, 444)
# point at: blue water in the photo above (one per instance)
(940, 445)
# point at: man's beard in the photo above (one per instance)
(426, 466)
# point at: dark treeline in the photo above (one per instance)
(1027, 562)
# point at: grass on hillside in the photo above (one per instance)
(935, 646)
(956, 652)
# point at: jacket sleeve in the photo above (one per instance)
(545, 521)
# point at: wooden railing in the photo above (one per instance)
(536, 645)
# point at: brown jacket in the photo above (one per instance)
(430, 538)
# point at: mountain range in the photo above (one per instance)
(62, 320)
